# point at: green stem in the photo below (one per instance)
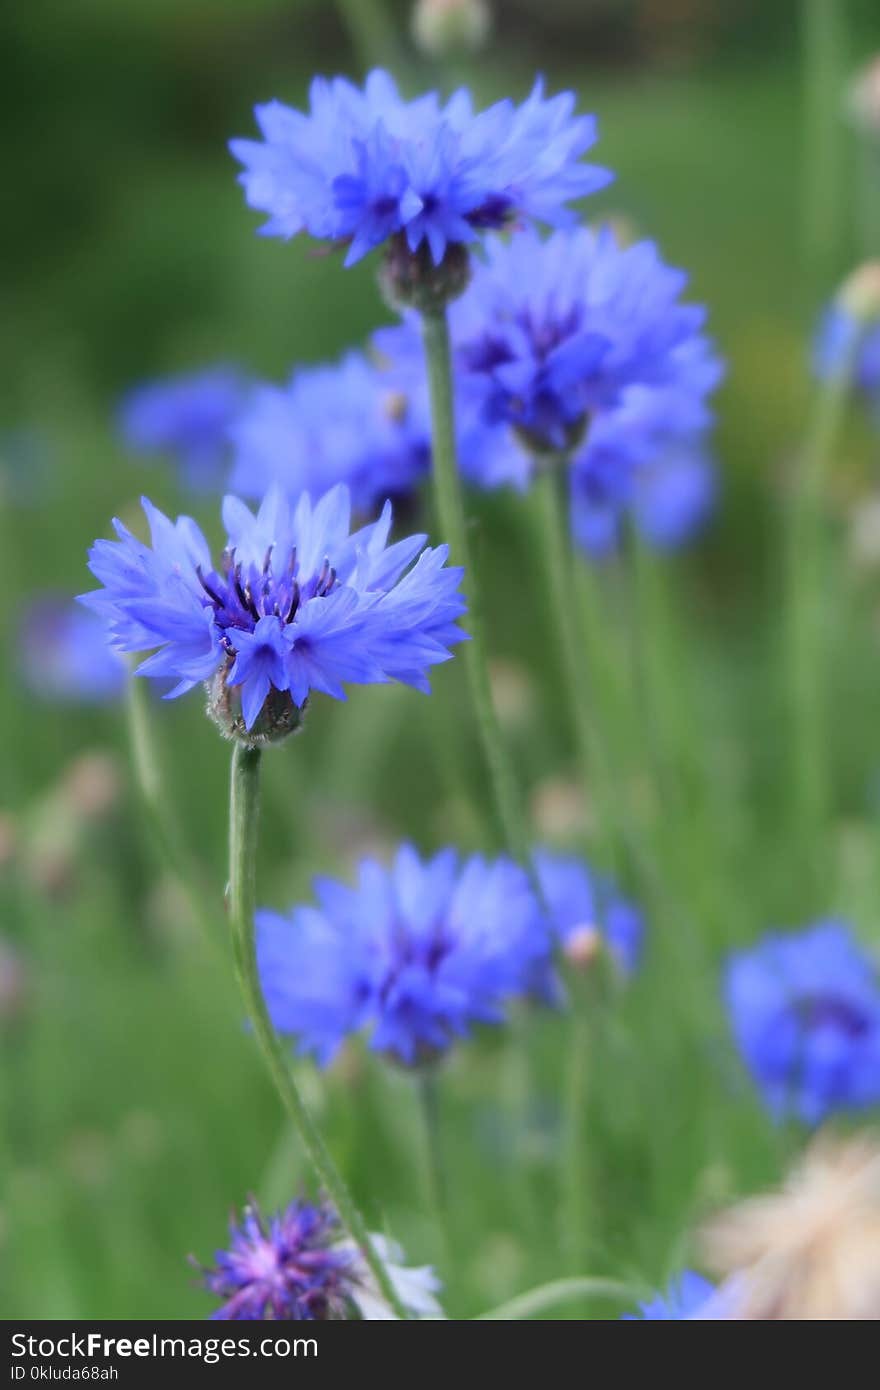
(158, 805)
(824, 58)
(581, 677)
(575, 1207)
(243, 826)
(808, 608)
(451, 515)
(373, 33)
(428, 1086)
(551, 1295)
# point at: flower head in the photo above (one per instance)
(297, 604)
(363, 166)
(347, 423)
(64, 653)
(187, 418)
(805, 1011)
(683, 1300)
(415, 953)
(812, 1251)
(551, 332)
(297, 1266)
(579, 902)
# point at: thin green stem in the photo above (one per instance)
(576, 1178)
(808, 608)
(428, 1085)
(243, 834)
(581, 677)
(538, 1300)
(158, 805)
(824, 59)
(451, 515)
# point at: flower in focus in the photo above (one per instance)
(580, 905)
(348, 423)
(363, 165)
(186, 418)
(415, 953)
(685, 1298)
(297, 604)
(812, 1251)
(298, 1266)
(63, 653)
(805, 1011)
(551, 332)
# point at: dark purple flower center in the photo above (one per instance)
(242, 595)
(832, 1011)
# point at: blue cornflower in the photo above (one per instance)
(836, 337)
(581, 904)
(64, 654)
(298, 1266)
(297, 604)
(364, 166)
(187, 418)
(687, 1297)
(805, 1011)
(552, 332)
(345, 423)
(415, 953)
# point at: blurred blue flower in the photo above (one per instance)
(415, 953)
(363, 165)
(187, 419)
(551, 332)
(346, 423)
(685, 1298)
(63, 653)
(298, 603)
(805, 1012)
(834, 341)
(298, 1266)
(580, 901)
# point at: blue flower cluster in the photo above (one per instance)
(805, 1011)
(298, 603)
(364, 165)
(415, 953)
(348, 422)
(298, 1267)
(186, 418)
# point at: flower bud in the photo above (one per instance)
(444, 27)
(582, 946)
(278, 718)
(411, 280)
(859, 296)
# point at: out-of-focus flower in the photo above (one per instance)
(863, 99)
(297, 1266)
(444, 27)
(363, 166)
(513, 693)
(686, 1296)
(63, 653)
(84, 796)
(560, 810)
(551, 332)
(834, 342)
(812, 1251)
(805, 1011)
(581, 905)
(415, 953)
(346, 423)
(298, 604)
(187, 419)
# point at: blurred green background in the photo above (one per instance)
(134, 1110)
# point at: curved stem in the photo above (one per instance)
(525, 1305)
(451, 514)
(243, 825)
